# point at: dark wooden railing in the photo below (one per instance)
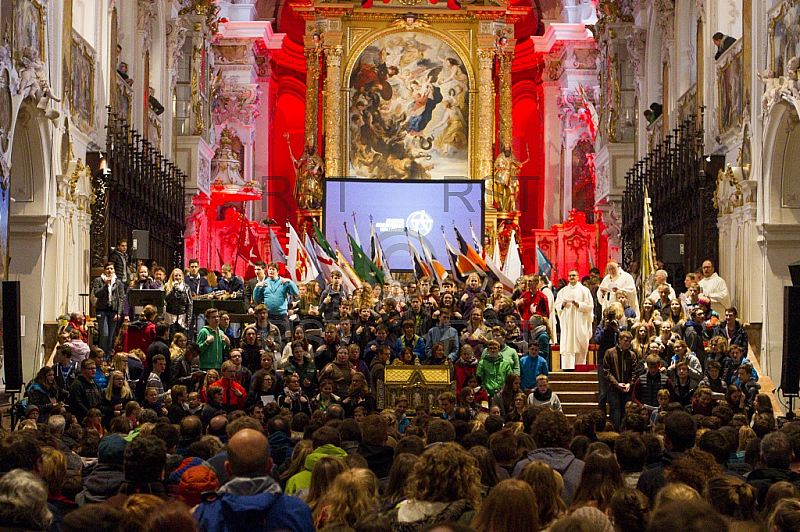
(681, 188)
(139, 190)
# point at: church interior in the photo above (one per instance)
(596, 131)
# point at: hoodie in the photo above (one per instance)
(562, 461)
(101, 484)
(281, 447)
(255, 504)
(463, 370)
(302, 480)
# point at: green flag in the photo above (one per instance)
(323, 243)
(363, 266)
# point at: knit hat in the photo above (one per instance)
(706, 302)
(194, 482)
(111, 449)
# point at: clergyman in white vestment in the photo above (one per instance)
(575, 307)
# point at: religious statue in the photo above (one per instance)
(33, 82)
(505, 186)
(309, 172)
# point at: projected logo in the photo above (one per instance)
(420, 221)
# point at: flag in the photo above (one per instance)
(470, 254)
(275, 249)
(496, 251)
(322, 241)
(328, 265)
(376, 249)
(248, 251)
(347, 270)
(648, 258)
(454, 257)
(497, 274)
(513, 265)
(298, 264)
(437, 270)
(420, 268)
(364, 268)
(545, 266)
(476, 242)
(355, 232)
(312, 256)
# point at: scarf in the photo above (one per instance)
(543, 397)
(110, 286)
(294, 396)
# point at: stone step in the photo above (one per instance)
(573, 376)
(577, 397)
(573, 386)
(571, 409)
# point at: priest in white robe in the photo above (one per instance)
(715, 288)
(575, 308)
(618, 280)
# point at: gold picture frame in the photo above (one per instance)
(30, 28)
(82, 97)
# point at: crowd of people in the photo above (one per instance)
(169, 421)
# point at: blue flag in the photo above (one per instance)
(545, 266)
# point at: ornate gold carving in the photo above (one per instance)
(333, 109)
(506, 59)
(312, 93)
(485, 112)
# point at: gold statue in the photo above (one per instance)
(309, 171)
(506, 186)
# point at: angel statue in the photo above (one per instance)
(33, 82)
(309, 171)
(506, 186)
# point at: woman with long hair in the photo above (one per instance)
(505, 399)
(733, 498)
(211, 377)
(298, 335)
(488, 466)
(302, 449)
(359, 395)
(510, 507)
(641, 339)
(178, 345)
(475, 333)
(395, 491)
(445, 485)
(115, 397)
(408, 357)
(547, 486)
(682, 354)
(649, 315)
(340, 371)
(466, 397)
(323, 474)
(676, 316)
(119, 362)
(352, 497)
(45, 395)
(736, 400)
(177, 303)
(520, 406)
(263, 390)
(601, 477)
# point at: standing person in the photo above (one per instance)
(331, 298)
(617, 280)
(197, 283)
(214, 345)
(714, 288)
(118, 256)
(445, 334)
(260, 269)
(84, 394)
(160, 346)
(618, 371)
(177, 303)
(274, 292)
(492, 368)
(575, 306)
(731, 330)
(108, 295)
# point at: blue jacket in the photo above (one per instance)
(531, 367)
(253, 504)
(275, 295)
(418, 347)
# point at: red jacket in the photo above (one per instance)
(462, 371)
(229, 398)
(540, 304)
(139, 335)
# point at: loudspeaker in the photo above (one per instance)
(12, 336)
(671, 249)
(790, 368)
(140, 245)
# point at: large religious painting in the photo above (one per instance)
(784, 35)
(409, 110)
(731, 101)
(81, 100)
(29, 26)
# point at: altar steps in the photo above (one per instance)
(576, 390)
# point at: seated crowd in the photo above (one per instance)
(269, 427)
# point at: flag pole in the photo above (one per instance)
(238, 243)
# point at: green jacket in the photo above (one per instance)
(510, 355)
(306, 371)
(493, 373)
(302, 480)
(212, 354)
